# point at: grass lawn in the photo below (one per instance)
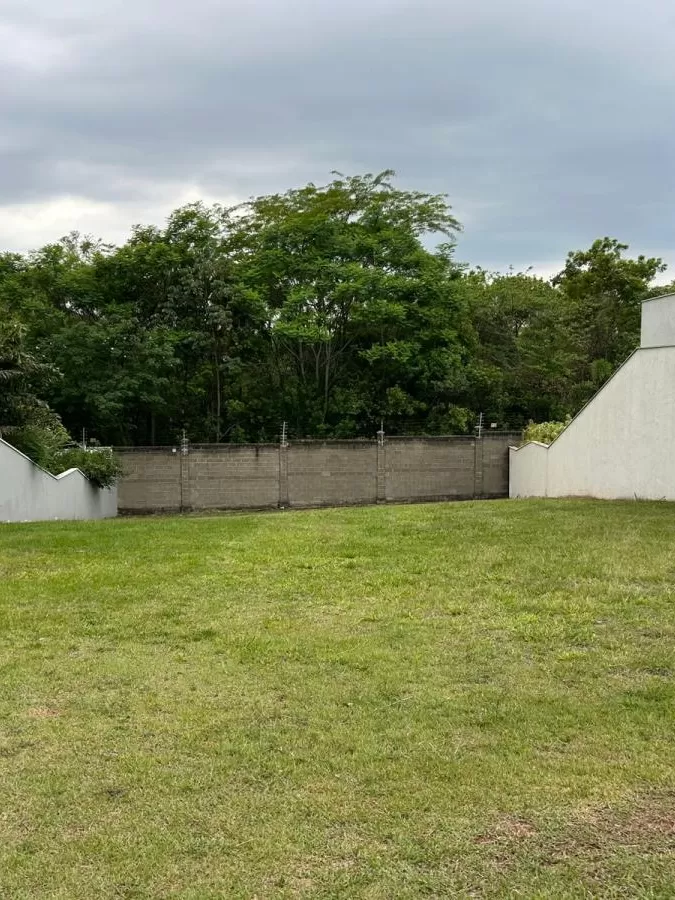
(452, 700)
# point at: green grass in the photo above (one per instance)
(468, 700)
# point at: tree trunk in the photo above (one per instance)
(218, 392)
(326, 383)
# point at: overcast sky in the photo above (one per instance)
(547, 122)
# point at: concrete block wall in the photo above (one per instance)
(429, 468)
(313, 473)
(332, 473)
(151, 481)
(244, 477)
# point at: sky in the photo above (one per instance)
(548, 123)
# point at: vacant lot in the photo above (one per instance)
(471, 700)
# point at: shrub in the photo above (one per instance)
(43, 439)
(544, 432)
(100, 466)
(41, 435)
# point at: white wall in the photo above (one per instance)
(658, 322)
(29, 494)
(528, 470)
(621, 445)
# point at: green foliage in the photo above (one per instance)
(27, 422)
(327, 307)
(22, 372)
(100, 465)
(41, 436)
(520, 365)
(544, 432)
(601, 295)
(355, 302)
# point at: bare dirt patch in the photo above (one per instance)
(647, 821)
(43, 712)
(507, 829)
(594, 839)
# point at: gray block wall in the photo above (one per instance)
(429, 468)
(246, 476)
(332, 473)
(313, 473)
(151, 480)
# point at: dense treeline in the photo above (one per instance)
(325, 307)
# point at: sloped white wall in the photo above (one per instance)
(621, 445)
(29, 494)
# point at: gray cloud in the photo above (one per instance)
(547, 124)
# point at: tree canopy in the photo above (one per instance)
(332, 308)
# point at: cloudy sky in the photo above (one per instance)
(547, 122)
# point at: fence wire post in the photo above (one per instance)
(283, 469)
(381, 485)
(185, 499)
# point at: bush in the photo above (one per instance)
(43, 439)
(544, 432)
(41, 435)
(100, 466)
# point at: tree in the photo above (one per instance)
(523, 361)
(329, 307)
(348, 285)
(177, 286)
(602, 292)
(215, 317)
(27, 422)
(22, 375)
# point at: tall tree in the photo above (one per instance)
(326, 306)
(602, 292)
(348, 285)
(523, 362)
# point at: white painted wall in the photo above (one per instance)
(621, 445)
(29, 494)
(528, 470)
(658, 322)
